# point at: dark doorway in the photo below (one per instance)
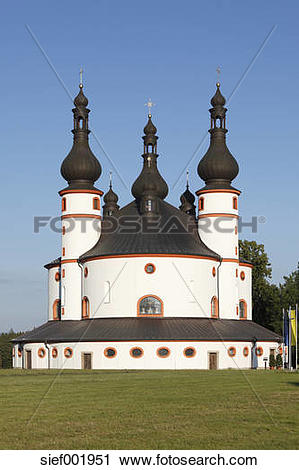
(86, 361)
(28, 360)
(213, 361)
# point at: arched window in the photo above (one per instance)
(235, 203)
(242, 309)
(85, 308)
(63, 204)
(214, 307)
(201, 204)
(96, 203)
(150, 306)
(56, 309)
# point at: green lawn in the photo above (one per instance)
(149, 410)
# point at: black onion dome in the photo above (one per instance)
(81, 99)
(218, 168)
(80, 168)
(187, 202)
(218, 99)
(110, 197)
(188, 196)
(150, 128)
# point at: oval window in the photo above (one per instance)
(54, 353)
(136, 352)
(242, 275)
(68, 352)
(245, 351)
(163, 352)
(41, 352)
(259, 351)
(110, 352)
(150, 268)
(231, 351)
(189, 352)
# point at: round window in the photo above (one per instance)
(259, 351)
(245, 351)
(54, 353)
(68, 352)
(189, 352)
(136, 352)
(150, 268)
(163, 352)
(41, 352)
(231, 351)
(110, 352)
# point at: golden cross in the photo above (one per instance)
(149, 105)
(218, 71)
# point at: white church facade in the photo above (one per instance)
(148, 285)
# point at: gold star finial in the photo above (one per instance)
(81, 78)
(149, 105)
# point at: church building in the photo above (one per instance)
(148, 285)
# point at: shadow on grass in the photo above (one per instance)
(296, 384)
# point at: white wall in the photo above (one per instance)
(149, 360)
(169, 282)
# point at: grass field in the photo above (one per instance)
(149, 410)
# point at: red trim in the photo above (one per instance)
(201, 203)
(235, 203)
(248, 265)
(87, 191)
(212, 214)
(150, 255)
(152, 315)
(63, 204)
(150, 264)
(65, 261)
(81, 216)
(96, 204)
(205, 191)
(230, 260)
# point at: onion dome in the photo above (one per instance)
(110, 200)
(80, 168)
(218, 168)
(187, 201)
(149, 187)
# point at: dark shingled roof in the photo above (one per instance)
(55, 262)
(181, 239)
(145, 329)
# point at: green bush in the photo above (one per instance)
(272, 361)
(278, 360)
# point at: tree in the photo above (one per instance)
(290, 289)
(266, 304)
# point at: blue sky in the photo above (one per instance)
(166, 50)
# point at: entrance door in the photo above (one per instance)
(86, 362)
(213, 360)
(28, 360)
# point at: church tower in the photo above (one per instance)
(218, 206)
(80, 209)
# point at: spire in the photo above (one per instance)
(110, 200)
(218, 167)
(80, 168)
(187, 199)
(149, 187)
